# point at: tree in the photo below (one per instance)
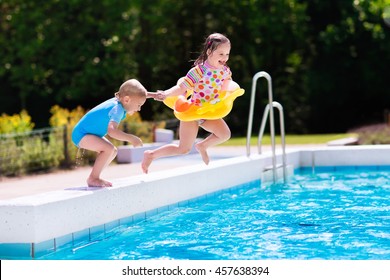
(346, 79)
(66, 52)
(327, 59)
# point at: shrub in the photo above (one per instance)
(62, 117)
(24, 150)
(28, 152)
(11, 163)
(373, 134)
(16, 123)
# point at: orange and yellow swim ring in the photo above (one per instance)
(184, 110)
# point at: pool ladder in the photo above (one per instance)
(267, 111)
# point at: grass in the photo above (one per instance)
(291, 139)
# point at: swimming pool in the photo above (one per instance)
(33, 226)
(339, 213)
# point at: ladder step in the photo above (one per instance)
(267, 176)
(270, 167)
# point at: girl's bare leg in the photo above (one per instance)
(106, 153)
(220, 133)
(187, 135)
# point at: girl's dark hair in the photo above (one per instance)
(212, 42)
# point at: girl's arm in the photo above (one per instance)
(229, 85)
(161, 95)
(175, 90)
(118, 134)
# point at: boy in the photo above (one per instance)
(89, 133)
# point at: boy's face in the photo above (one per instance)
(133, 104)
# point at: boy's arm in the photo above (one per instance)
(159, 95)
(151, 94)
(118, 134)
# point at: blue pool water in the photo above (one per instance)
(342, 214)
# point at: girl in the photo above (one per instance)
(207, 78)
(104, 119)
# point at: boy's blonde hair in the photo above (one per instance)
(132, 88)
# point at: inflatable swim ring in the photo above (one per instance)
(184, 110)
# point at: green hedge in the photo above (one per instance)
(36, 151)
(51, 148)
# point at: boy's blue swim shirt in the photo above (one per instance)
(97, 119)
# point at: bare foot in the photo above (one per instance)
(148, 158)
(97, 182)
(203, 153)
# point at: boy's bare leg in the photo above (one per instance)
(220, 133)
(106, 153)
(187, 135)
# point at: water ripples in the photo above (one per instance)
(316, 216)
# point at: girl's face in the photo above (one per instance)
(219, 56)
(132, 104)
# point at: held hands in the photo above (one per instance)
(159, 95)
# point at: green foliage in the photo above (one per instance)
(323, 56)
(24, 150)
(379, 137)
(22, 153)
(346, 80)
(66, 119)
(62, 116)
(16, 123)
(291, 139)
(374, 134)
(10, 161)
(39, 155)
(67, 50)
(44, 149)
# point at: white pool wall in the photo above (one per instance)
(37, 218)
(346, 156)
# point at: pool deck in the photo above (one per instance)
(65, 179)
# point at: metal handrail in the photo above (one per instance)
(282, 133)
(265, 75)
(251, 109)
